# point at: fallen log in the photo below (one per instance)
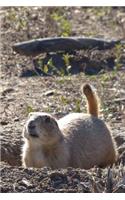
(37, 46)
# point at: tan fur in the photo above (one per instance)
(92, 100)
(77, 140)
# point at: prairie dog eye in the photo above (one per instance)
(47, 119)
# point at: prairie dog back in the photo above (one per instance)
(89, 139)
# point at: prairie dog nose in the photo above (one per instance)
(31, 125)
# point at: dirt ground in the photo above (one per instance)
(60, 94)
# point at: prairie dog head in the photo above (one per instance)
(41, 128)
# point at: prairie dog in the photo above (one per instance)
(77, 140)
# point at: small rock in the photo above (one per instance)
(120, 189)
(34, 17)
(49, 93)
(4, 123)
(26, 183)
(4, 92)
(16, 119)
(83, 187)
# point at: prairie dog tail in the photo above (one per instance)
(92, 100)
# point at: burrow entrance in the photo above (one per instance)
(11, 153)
